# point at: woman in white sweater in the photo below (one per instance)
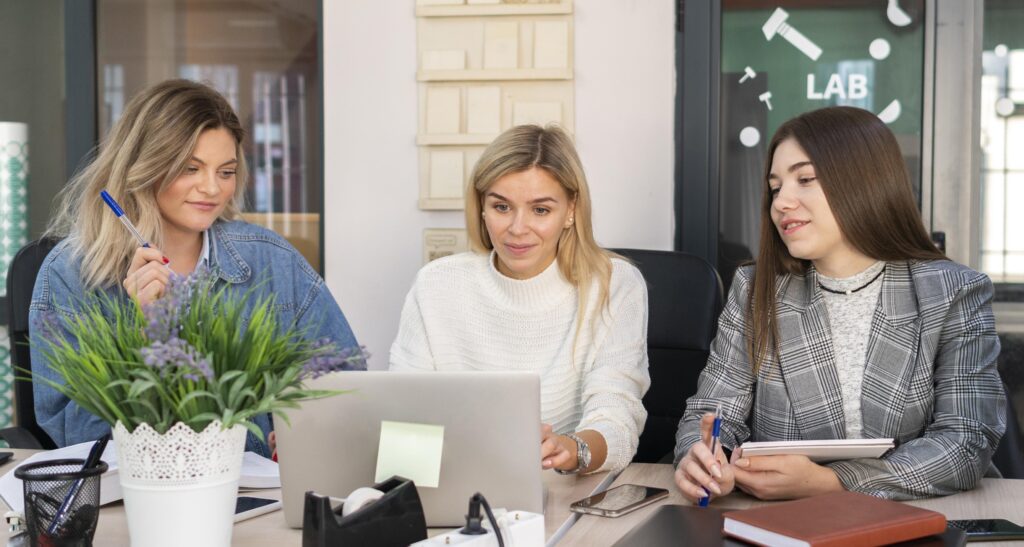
(538, 294)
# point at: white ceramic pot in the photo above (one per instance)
(180, 487)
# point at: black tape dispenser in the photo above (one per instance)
(392, 519)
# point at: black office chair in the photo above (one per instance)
(684, 295)
(21, 278)
(1009, 455)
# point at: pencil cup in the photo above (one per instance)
(62, 502)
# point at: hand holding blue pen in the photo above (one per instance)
(702, 471)
(716, 430)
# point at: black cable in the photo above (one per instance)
(490, 517)
(474, 522)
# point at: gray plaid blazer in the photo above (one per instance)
(930, 379)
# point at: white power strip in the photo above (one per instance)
(518, 529)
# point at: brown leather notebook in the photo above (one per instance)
(833, 520)
(675, 525)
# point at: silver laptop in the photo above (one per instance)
(491, 438)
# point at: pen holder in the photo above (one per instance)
(54, 484)
(396, 519)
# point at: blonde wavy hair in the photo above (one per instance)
(550, 148)
(147, 149)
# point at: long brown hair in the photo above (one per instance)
(550, 148)
(147, 149)
(858, 163)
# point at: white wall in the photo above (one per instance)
(625, 93)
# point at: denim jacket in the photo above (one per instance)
(243, 255)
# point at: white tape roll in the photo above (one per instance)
(359, 498)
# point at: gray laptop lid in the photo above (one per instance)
(491, 438)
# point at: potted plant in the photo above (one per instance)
(178, 381)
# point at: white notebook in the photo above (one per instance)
(257, 472)
(821, 450)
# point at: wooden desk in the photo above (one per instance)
(270, 529)
(994, 498)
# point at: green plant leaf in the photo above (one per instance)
(98, 355)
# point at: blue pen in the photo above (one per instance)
(716, 430)
(122, 217)
(62, 513)
(109, 200)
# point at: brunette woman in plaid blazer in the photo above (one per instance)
(837, 203)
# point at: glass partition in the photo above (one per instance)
(262, 55)
(32, 145)
(782, 58)
(1002, 139)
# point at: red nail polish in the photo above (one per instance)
(274, 456)
(166, 260)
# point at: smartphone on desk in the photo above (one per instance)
(247, 507)
(618, 501)
(989, 529)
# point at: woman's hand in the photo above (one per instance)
(272, 441)
(148, 275)
(783, 477)
(556, 451)
(700, 469)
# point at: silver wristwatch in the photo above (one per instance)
(582, 455)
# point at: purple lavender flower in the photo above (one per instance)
(163, 316)
(177, 355)
(328, 359)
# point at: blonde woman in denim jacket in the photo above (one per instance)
(174, 163)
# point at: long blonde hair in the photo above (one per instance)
(148, 148)
(550, 148)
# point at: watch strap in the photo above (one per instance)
(582, 453)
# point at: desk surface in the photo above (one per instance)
(994, 498)
(270, 529)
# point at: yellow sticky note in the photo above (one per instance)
(412, 451)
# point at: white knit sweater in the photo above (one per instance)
(462, 314)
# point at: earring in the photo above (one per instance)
(483, 213)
